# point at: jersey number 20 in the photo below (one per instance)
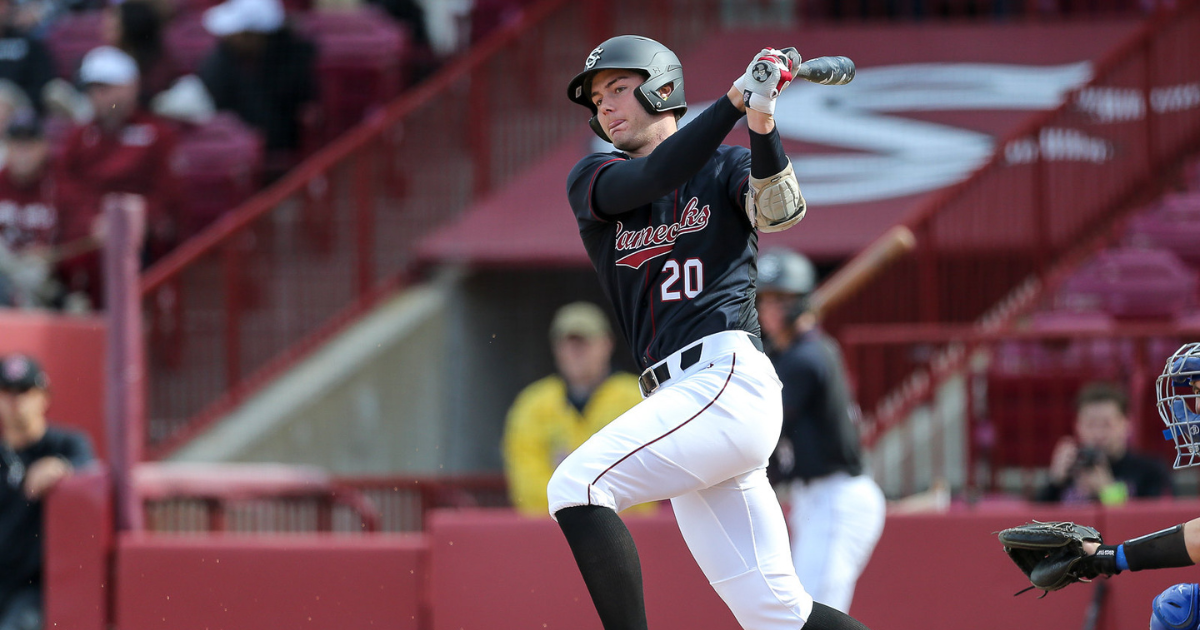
(692, 275)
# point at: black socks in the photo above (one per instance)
(826, 618)
(608, 561)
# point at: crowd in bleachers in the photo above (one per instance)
(191, 104)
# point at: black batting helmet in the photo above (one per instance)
(632, 52)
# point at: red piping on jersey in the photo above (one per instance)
(653, 326)
(732, 366)
(593, 183)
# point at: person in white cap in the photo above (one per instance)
(262, 71)
(124, 149)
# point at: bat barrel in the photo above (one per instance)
(827, 70)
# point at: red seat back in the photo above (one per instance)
(220, 164)
(71, 37)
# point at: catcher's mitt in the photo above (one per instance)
(1050, 554)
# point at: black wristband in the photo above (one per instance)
(1161, 550)
(767, 157)
(1104, 562)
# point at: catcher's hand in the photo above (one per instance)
(1051, 554)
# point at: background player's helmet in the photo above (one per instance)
(633, 52)
(1175, 608)
(1177, 403)
(785, 271)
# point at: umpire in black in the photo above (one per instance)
(837, 511)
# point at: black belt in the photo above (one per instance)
(652, 378)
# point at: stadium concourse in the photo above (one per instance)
(299, 408)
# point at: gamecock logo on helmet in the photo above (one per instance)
(593, 58)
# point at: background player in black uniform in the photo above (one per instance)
(669, 222)
(837, 512)
(33, 458)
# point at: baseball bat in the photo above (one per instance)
(862, 268)
(822, 70)
(827, 70)
(1092, 614)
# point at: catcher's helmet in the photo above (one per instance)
(632, 52)
(785, 271)
(1175, 608)
(1177, 396)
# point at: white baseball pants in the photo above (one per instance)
(835, 521)
(702, 440)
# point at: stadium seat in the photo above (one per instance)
(1173, 225)
(188, 42)
(71, 37)
(1131, 283)
(1039, 357)
(220, 164)
(361, 62)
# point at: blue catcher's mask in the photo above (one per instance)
(1177, 403)
(1175, 608)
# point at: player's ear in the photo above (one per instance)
(665, 91)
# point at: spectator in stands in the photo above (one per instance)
(554, 415)
(411, 14)
(23, 60)
(28, 217)
(34, 457)
(136, 27)
(262, 71)
(124, 149)
(12, 100)
(1096, 464)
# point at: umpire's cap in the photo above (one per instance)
(785, 271)
(633, 52)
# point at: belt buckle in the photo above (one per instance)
(648, 382)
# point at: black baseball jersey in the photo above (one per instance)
(682, 266)
(20, 518)
(818, 412)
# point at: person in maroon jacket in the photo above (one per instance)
(29, 220)
(124, 149)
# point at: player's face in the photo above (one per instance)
(1102, 425)
(23, 412)
(772, 314)
(630, 127)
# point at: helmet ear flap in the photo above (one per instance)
(594, 123)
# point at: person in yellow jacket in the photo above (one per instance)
(555, 415)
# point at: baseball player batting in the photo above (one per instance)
(1056, 555)
(669, 220)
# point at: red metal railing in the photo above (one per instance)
(1017, 393)
(1050, 187)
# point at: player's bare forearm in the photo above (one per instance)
(1191, 536)
(735, 97)
(758, 121)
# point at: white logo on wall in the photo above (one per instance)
(893, 156)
